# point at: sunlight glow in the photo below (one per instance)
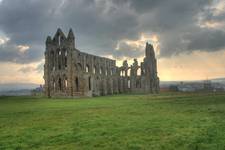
(21, 73)
(140, 43)
(3, 40)
(195, 66)
(23, 48)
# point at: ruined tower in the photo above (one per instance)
(150, 69)
(69, 72)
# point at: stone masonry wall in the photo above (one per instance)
(69, 72)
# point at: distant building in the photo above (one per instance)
(190, 86)
(173, 88)
(38, 91)
(207, 85)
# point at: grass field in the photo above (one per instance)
(168, 121)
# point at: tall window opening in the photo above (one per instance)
(54, 85)
(89, 83)
(59, 65)
(122, 73)
(87, 69)
(59, 40)
(59, 59)
(111, 72)
(128, 84)
(65, 59)
(94, 70)
(66, 83)
(100, 71)
(65, 62)
(60, 84)
(53, 60)
(77, 84)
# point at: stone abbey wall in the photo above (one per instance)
(69, 72)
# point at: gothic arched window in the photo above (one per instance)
(94, 70)
(60, 84)
(101, 70)
(66, 83)
(59, 40)
(77, 84)
(87, 69)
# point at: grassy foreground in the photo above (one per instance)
(168, 121)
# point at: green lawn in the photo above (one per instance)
(168, 121)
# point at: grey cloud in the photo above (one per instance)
(207, 39)
(212, 14)
(128, 51)
(100, 25)
(10, 52)
(28, 69)
(40, 67)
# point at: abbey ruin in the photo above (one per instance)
(68, 72)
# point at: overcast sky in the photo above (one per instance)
(188, 35)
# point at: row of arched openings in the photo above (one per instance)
(123, 72)
(137, 84)
(77, 84)
(60, 84)
(59, 58)
(94, 70)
